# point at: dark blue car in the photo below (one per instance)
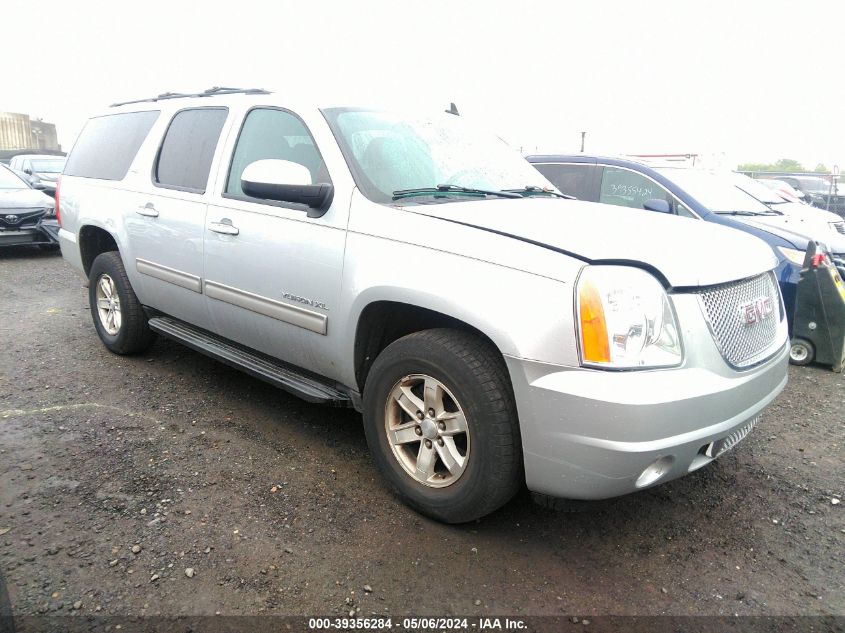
(681, 191)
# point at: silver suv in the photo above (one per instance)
(491, 332)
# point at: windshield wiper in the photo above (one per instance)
(739, 213)
(450, 189)
(532, 190)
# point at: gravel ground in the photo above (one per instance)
(171, 484)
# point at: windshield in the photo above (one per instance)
(10, 180)
(717, 193)
(48, 166)
(389, 153)
(755, 189)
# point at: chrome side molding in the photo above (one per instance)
(170, 275)
(300, 317)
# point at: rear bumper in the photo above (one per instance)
(592, 434)
(70, 251)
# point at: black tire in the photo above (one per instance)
(133, 335)
(475, 373)
(801, 352)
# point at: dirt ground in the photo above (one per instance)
(121, 477)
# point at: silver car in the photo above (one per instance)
(493, 333)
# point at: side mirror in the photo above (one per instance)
(27, 171)
(657, 205)
(286, 181)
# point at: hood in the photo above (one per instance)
(24, 199)
(801, 227)
(46, 176)
(686, 252)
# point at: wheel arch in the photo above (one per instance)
(382, 321)
(94, 240)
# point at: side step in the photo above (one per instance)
(278, 374)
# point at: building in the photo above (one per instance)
(18, 131)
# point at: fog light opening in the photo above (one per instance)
(655, 471)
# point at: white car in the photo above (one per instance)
(817, 224)
(783, 189)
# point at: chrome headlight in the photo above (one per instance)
(625, 320)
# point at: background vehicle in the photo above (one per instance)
(817, 224)
(783, 189)
(23, 212)
(820, 192)
(422, 272)
(679, 191)
(42, 170)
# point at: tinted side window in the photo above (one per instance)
(573, 180)
(271, 133)
(629, 189)
(107, 145)
(184, 159)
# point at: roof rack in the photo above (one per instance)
(211, 92)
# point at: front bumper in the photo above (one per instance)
(29, 236)
(592, 434)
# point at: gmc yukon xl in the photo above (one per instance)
(493, 333)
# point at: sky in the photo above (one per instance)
(735, 81)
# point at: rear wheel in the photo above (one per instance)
(118, 315)
(441, 424)
(801, 352)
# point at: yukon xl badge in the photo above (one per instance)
(308, 302)
(756, 310)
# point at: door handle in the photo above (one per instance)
(224, 227)
(147, 210)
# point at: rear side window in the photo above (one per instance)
(108, 144)
(573, 180)
(184, 159)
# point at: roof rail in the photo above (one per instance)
(211, 92)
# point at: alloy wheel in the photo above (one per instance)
(427, 430)
(108, 305)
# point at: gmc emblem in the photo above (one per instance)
(756, 310)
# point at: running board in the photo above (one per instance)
(278, 374)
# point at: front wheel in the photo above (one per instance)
(118, 315)
(801, 352)
(441, 423)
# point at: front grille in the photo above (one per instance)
(722, 446)
(737, 313)
(19, 218)
(839, 226)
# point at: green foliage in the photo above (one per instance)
(755, 167)
(821, 169)
(787, 164)
(784, 164)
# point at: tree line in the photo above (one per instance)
(784, 164)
